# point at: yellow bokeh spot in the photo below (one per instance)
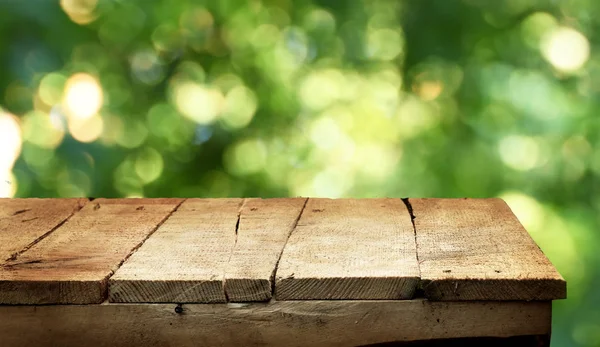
(86, 130)
(10, 148)
(325, 133)
(10, 141)
(38, 129)
(240, 106)
(246, 157)
(376, 161)
(384, 44)
(83, 96)
(566, 49)
(428, 90)
(8, 184)
(197, 102)
(519, 152)
(80, 11)
(414, 116)
(149, 165)
(321, 88)
(330, 183)
(265, 35)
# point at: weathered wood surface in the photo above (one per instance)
(185, 259)
(264, 227)
(218, 250)
(282, 323)
(350, 249)
(73, 263)
(476, 249)
(23, 222)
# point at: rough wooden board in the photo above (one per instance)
(72, 264)
(283, 323)
(476, 249)
(23, 222)
(349, 249)
(185, 259)
(264, 228)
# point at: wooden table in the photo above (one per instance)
(287, 272)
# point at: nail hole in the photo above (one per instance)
(179, 309)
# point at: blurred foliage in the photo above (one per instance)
(316, 98)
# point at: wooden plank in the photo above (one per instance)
(185, 259)
(24, 222)
(73, 263)
(279, 323)
(264, 228)
(349, 249)
(476, 249)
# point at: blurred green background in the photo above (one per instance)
(317, 98)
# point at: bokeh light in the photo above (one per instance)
(83, 96)
(566, 49)
(80, 11)
(10, 143)
(330, 99)
(197, 102)
(246, 157)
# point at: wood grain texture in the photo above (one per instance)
(283, 323)
(476, 249)
(264, 228)
(23, 222)
(349, 249)
(185, 259)
(72, 264)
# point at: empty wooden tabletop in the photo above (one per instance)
(238, 250)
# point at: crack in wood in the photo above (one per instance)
(410, 210)
(237, 227)
(286, 241)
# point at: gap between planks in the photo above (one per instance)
(47, 216)
(445, 286)
(220, 250)
(251, 277)
(72, 264)
(144, 240)
(210, 250)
